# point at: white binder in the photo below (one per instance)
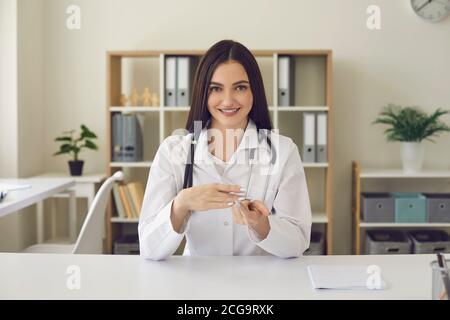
(321, 147)
(183, 81)
(309, 137)
(170, 85)
(285, 81)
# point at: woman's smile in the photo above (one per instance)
(229, 112)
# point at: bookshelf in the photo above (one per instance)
(313, 93)
(387, 180)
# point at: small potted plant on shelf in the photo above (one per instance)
(411, 126)
(73, 146)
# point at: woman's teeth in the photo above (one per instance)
(229, 111)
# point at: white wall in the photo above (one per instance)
(406, 62)
(8, 88)
(8, 113)
(21, 113)
(31, 87)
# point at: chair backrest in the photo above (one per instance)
(90, 239)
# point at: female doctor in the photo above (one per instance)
(231, 186)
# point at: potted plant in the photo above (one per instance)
(411, 126)
(73, 146)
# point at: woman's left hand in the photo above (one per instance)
(254, 214)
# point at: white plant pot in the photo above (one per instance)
(412, 156)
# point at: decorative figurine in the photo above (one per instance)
(134, 97)
(146, 97)
(123, 100)
(155, 99)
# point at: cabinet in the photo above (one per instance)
(390, 180)
(313, 93)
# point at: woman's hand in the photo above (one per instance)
(254, 214)
(202, 198)
(207, 197)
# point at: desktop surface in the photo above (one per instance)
(51, 276)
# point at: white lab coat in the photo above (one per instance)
(213, 232)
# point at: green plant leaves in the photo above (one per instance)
(63, 139)
(86, 133)
(89, 144)
(72, 145)
(65, 148)
(410, 124)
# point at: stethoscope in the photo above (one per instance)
(188, 171)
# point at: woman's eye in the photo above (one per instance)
(214, 89)
(241, 88)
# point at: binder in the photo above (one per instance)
(132, 139)
(184, 78)
(309, 137)
(286, 76)
(170, 85)
(321, 147)
(117, 134)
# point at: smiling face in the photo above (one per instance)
(230, 97)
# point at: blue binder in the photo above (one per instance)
(117, 145)
(132, 139)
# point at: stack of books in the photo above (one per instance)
(128, 198)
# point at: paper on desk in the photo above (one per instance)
(13, 187)
(344, 277)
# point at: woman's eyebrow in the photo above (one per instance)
(219, 84)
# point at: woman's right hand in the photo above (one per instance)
(202, 198)
(208, 197)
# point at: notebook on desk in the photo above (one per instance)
(5, 188)
(345, 277)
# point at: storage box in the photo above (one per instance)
(387, 242)
(410, 207)
(377, 207)
(316, 245)
(429, 241)
(128, 244)
(438, 207)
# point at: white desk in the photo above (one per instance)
(85, 187)
(43, 276)
(41, 189)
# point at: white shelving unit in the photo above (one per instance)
(143, 164)
(316, 97)
(399, 174)
(367, 174)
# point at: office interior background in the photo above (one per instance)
(53, 78)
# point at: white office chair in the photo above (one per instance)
(90, 239)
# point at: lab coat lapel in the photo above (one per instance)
(202, 160)
(250, 140)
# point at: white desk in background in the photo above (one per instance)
(41, 189)
(85, 187)
(45, 276)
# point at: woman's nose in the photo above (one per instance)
(228, 99)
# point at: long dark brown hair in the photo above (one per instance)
(221, 52)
